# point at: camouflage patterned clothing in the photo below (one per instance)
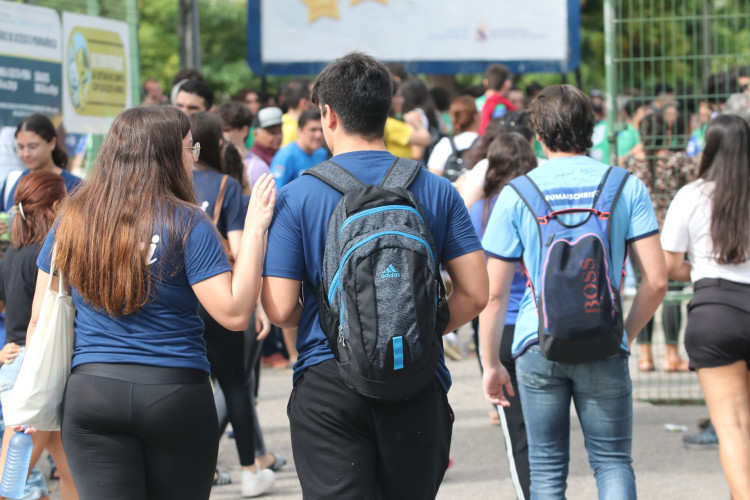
(669, 172)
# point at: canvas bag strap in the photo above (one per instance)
(60, 279)
(335, 176)
(219, 200)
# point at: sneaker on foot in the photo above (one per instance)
(255, 484)
(705, 438)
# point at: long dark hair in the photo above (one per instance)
(416, 95)
(36, 194)
(43, 127)
(509, 155)
(138, 183)
(207, 129)
(233, 165)
(726, 162)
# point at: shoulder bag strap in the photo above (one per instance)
(219, 200)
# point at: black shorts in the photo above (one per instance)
(718, 324)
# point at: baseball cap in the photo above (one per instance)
(596, 93)
(268, 117)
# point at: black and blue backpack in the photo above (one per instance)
(579, 309)
(382, 303)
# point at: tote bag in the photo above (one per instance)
(36, 397)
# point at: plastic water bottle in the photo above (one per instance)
(16, 465)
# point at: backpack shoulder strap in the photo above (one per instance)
(532, 197)
(610, 190)
(401, 174)
(453, 144)
(335, 176)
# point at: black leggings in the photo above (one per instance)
(511, 419)
(252, 348)
(229, 365)
(136, 431)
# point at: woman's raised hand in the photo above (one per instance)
(262, 201)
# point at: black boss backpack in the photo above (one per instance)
(579, 307)
(382, 302)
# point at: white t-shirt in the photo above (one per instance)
(443, 149)
(476, 175)
(687, 228)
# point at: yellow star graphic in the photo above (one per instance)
(357, 2)
(321, 8)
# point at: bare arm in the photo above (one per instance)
(280, 299)
(420, 136)
(470, 192)
(678, 268)
(649, 258)
(491, 324)
(42, 279)
(230, 297)
(234, 238)
(470, 288)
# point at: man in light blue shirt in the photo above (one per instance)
(601, 390)
(307, 151)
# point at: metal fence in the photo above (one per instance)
(670, 66)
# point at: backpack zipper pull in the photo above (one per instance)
(341, 336)
(549, 240)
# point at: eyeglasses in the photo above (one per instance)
(196, 149)
(31, 147)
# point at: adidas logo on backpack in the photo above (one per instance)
(579, 309)
(390, 272)
(385, 333)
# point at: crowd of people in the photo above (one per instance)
(212, 243)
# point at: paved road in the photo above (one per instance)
(664, 469)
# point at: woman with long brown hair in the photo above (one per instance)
(709, 219)
(138, 418)
(36, 198)
(465, 120)
(509, 155)
(232, 354)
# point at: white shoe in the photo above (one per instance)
(256, 484)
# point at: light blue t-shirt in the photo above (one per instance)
(296, 239)
(167, 331)
(512, 233)
(290, 161)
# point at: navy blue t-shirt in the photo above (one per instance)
(206, 184)
(296, 239)
(167, 331)
(71, 182)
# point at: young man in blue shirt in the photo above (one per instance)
(305, 152)
(346, 445)
(601, 390)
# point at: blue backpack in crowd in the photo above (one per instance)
(382, 303)
(579, 309)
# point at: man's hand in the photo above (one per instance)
(493, 381)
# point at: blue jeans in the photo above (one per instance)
(602, 394)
